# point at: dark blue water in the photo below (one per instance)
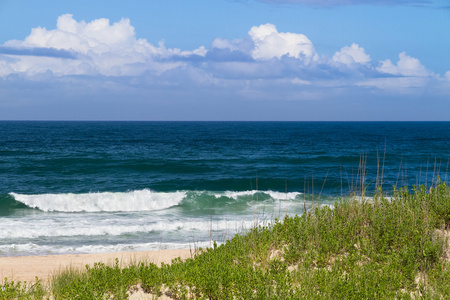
(114, 173)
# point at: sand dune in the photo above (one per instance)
(26, 268)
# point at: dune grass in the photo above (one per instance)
(386, 248)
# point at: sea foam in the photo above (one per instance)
(35, 249)
(42, 228)
(273, 194)
(140, 200)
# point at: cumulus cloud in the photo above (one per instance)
(350, 55)
(97, 36)
(235, 50)
(406, 66)
(102, 49)
(269, 43)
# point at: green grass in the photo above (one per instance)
(388, 248)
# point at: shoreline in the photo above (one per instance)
(26, 268)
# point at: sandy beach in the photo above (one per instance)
(26, 268)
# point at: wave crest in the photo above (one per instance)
(140, 200)
(144, 200)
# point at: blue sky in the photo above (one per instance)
(300, 60)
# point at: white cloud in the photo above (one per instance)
(352, 54)
(221, 43)
(406, 66)
(5, 66)
(97, 36)
(269, 43)
(447, 75)
(102, 48)
(237, 49)
(99, 48)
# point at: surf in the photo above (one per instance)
(145, 200)
(139, 200)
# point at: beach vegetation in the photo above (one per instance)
(10, 289)
(381, 247)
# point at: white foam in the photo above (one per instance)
(234, 195)
(66, 228)
(141, 200)
(273, 194)
(35, 249)
(139, 247)
(283, 196)
(115, 221)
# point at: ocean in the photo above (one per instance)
(92, 187)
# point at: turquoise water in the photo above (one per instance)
(82, 187)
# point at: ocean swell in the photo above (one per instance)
(144, 200)
(140, 200)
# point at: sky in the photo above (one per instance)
(225, 60)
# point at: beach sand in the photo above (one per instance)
(26, 268)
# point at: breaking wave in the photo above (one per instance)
(139, 200)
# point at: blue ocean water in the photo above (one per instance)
(81, 187)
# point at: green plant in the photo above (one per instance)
(386, 248)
